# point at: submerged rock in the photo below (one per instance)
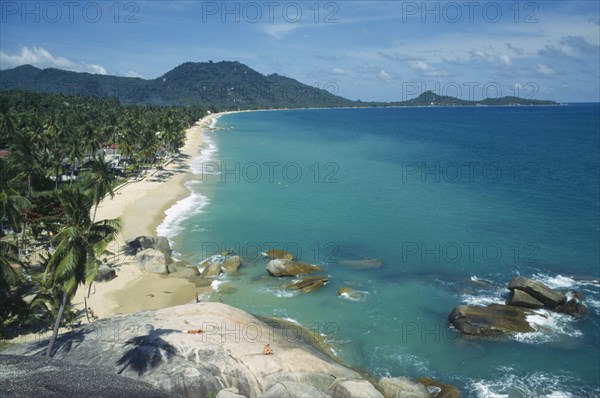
(309, 284)
(150, 346)
(366, 263)
(494, 320)
(549, 297)
(349, 293)
(285, 267)
(443, 390)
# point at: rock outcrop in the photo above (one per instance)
(141, 243)
(285, 267)
(151, 346)
(548, 297)
(401, 387)
(154, 261)
(526, 295)
(494, 320)
(36, 376)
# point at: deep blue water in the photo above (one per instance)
(444, 197)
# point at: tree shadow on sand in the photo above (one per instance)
(147, 352)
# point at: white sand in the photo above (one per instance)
(141, 205)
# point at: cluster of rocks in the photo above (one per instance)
(153, 254)
(526, 295)
(223, 357)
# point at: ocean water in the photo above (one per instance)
(454, 202)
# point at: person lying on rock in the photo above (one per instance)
(267, 349)
(194, 331)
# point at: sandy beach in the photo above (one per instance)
(141, 206)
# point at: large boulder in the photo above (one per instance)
(212, 266)
(285, 267)
(519, 298)
(152, 260)
(549, 297)
(494, 320)
(37, 376)
(354, 389)
(232, 263)
(290, 389)
(105, 274)
(402, 387)
(572, 307)
(159, 243)
(151, 346)
(309, 284)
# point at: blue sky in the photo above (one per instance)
(368, 50)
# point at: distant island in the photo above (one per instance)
(225, 85)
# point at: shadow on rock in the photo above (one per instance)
(147, 352)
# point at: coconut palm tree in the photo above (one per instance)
(80, 242)
(100, 181)
(13, 208)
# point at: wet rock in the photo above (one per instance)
(212, 266)
(309, 284)
(349, 293)
(572, 307)
(280, 254)
(442, 390)
(152, 260)
(285, 267)
(401, 387)
(494, 320)
(521, 299)
(549, 297)
(231, 263)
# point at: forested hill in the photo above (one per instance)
(222, 86)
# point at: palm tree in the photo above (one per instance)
(8, 125)
(100, 181)
(13, 208)
(80, 242)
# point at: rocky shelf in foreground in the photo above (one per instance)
(221, 355)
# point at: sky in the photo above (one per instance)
(367, 50)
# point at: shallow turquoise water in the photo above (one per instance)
(443, 196)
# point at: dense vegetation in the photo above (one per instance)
(53, 174)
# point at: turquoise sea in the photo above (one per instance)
(453, 201)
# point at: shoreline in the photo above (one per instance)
(142, 205)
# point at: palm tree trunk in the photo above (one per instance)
(61, 310)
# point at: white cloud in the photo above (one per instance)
(40, 57)
(131, 73)
(544, 70)
(383, 75)
(338, 71)
(278, 30)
